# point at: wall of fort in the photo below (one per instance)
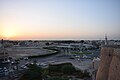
(109, 68)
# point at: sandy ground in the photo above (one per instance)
(21, 52)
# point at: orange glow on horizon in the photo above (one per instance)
(9, 32)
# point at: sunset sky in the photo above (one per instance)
(59, 19)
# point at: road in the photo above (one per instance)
(80, 64)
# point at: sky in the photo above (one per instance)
(59, 19)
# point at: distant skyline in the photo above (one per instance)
(59, 19)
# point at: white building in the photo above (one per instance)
(76, 47)
(95, 66)
(96, 62)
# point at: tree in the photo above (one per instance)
(54, 69)
(57, 78)
(85, 74)
(68, 69)
(33, 73)
(45, 72)
(82, 41)
(47, 44)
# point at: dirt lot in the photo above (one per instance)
(20, 52)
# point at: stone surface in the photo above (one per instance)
(109, 68)
(114, 69)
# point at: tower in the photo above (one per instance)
(106, 41)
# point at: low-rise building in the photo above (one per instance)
(0, 45)
(3, 55)
(3, 52)
(76, 47)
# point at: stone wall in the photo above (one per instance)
(114, 69)
(109, 68)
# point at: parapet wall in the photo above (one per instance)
(109, 68)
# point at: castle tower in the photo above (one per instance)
(109, 68)
(106, 58)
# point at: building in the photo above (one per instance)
(76, 47)
(3, 53)
(0, 45)
(96, 62)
